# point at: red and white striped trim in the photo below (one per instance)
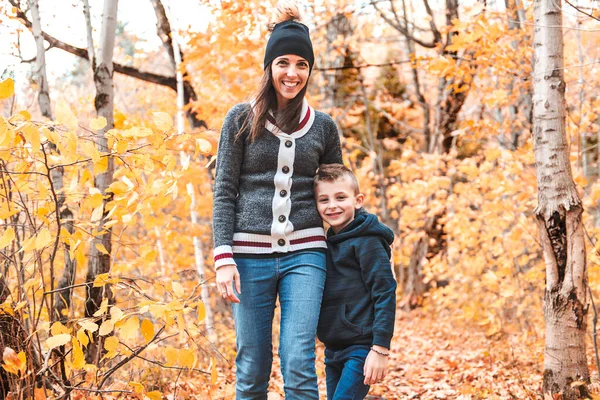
(223, 255)
(250, 243)
(307, 117)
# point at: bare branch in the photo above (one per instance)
(402, 29)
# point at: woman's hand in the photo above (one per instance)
(376, 365)
(226, 276)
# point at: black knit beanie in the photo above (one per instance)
(290, 37)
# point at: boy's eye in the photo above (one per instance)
(341, 198)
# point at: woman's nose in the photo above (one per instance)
(292, 71)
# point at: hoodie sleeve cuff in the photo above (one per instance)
(223, 255)
(383, 341)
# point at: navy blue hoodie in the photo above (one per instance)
(359, 301)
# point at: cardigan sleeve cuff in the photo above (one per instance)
(223, 255)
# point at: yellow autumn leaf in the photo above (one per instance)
(213, 371)
(50, 134)
(98, 123)
(88, 325)
(103, 308)
(172, 356)
(58, 328)
(116, 314)
(58, 340)
(129, 330)
(65, 116)
(89, 150)
(101, 166)
(43, 239)
(8, 214)
(154, 395)
(187, 358)
(137, 387)
(7, 88)
(25, 114)
(137, 132)
(101, 248)
(203, 145)
(32, 135)
(147, 330)
(163, 121)
(7, 237)
(77, 358)
(201, 312)
(13, 362)
(122, 146)
(111, 343)
(178, 290)
(101, 280)
(106, 327)
(83, 337)
(28, 244)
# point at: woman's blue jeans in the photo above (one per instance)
(298, 279)
(345, 373)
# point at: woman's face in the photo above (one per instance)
(290, 74)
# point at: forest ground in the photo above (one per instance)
(437, 356)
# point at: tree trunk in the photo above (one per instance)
(165, 33)
(558, 215)
(99, 263)
(334, 57)
(514, 11)
(40, 61)
(62, 299)
(168, 81)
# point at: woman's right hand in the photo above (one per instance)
(226, 276)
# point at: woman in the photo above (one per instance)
(269, 238)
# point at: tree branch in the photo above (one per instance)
(402, 29)
(168, 81)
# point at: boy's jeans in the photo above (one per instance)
(345, 375)
(299, 279)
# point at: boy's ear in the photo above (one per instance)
(360, 198)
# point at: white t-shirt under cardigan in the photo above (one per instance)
(263, 193)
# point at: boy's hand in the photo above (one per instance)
(227, 275)
(376, 365)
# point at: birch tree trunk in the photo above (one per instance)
(40, 61)
(62, 298)
(99, 263)
(558, 214)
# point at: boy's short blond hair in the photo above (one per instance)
(334, 172)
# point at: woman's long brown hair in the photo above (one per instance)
(286, 119)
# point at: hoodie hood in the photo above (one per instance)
(364, 224)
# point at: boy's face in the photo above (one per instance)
(337, 202)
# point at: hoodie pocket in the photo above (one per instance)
(353, 327)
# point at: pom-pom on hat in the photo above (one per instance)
(290, 37)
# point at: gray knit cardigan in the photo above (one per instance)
(263, 194)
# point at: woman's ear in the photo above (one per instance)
(360, 198)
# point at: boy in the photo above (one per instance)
(359, 302)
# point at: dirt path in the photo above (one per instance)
(438, 357)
